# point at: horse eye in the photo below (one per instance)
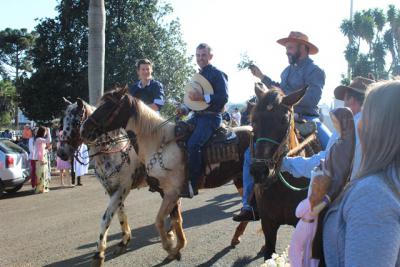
(285, 119)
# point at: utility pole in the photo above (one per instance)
(351, 18)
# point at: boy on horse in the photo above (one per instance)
(205, 121)
(301, 72)
(150, 91)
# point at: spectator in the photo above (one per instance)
(362, 227)
(32, 159)
(236, 118)
(81, 166)
(62, 165)
(42, 172)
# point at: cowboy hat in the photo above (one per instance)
(299, 38)
(358, 84)
(200, 84)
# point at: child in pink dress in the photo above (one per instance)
(303, 235)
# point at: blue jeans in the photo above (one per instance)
(323, 132)
(248, 181)
(205, 125)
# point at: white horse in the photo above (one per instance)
(161, 155)
(117, 167)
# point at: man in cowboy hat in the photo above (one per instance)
(300, 73)
(150, 91)
(208, 104)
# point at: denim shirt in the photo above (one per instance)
(219, 83)
(297, 76)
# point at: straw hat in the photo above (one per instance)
(299, 38)
(200, 84)
(359, 84)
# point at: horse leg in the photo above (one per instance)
(98, 258)
(123, 221)
(238, 233)
(167, 205)
(176, 224)
(270, 230)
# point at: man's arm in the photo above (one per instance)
(302, 166)
(264, 78)
(315, 82)
(220, 86)
(159, 96)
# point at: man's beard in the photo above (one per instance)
(293, 58)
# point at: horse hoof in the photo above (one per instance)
(235, 242)
(175, 256)
(121, 248)
(97, 260)
(262, 250)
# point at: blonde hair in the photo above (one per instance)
(380, 132)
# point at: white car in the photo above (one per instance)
(14, 166)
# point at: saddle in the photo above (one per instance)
(304, 130)
(222, 145)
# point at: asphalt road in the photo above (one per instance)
(60, 228)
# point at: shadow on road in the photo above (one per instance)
(215, 210)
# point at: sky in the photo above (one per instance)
(235, 27)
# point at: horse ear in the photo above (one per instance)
(260, 90)
(66, 101)
(294, 98)
(80, 103)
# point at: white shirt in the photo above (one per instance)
(236, 116)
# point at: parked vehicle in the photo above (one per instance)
(14, 166)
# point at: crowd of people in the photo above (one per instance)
(362, 225)
(38, 143)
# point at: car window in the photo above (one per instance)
(9, 147)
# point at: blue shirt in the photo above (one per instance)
(219, 83)
(151, 93)
(296, 77)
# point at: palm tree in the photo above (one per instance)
(97, 21)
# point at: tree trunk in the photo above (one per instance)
(16, 121)
(97, 21)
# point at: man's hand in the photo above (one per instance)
(256, 71)
(182, 111)
(196, 96)
(154, 107)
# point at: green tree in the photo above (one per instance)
(134, 29)
(375, 30)
(7, 101)
(15, 45)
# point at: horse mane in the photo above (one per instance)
(146, 119)
(274, 96)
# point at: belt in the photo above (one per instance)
(307, 220)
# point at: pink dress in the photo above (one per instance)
(62, 164)
(303, 235)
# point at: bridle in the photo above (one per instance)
(283, 148)
(118, 104)
(275, 162)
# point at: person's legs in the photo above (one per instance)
(205, 126)
(248, 211)
(79, 180)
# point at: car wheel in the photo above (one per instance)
(1, 189)
(15, 189)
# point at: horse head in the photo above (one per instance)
(272, 120)
(70, 138)
(113, 112)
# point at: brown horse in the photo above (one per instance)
(277, 194)
(159, 151)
